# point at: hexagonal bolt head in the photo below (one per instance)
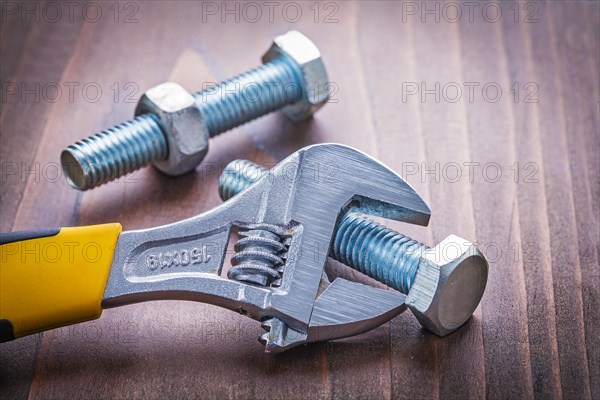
(182, 123)
(448, 285)
(315, 85)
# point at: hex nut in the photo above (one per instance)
(182, 123)
(448, 285)
(303, 53)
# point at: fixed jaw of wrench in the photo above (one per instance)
(287, 221)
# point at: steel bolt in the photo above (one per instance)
(292, 78)
(443, 289)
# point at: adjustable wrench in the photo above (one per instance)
(57, 277)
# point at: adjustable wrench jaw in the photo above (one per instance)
(330, 180)
(344, 309)
(300, 199)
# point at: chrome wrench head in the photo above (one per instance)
(300, 200)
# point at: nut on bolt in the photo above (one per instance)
(182, 123)
(448, 286)
(172, 133)
(307, 57)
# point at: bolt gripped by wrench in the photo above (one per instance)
(397, 261)
(303, 213)
(277, 275)
(172, 127)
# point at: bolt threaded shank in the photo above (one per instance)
(365, 245)
(138, 142)
(377, 251)
(249, 95)
(114, 152)
(237, 176)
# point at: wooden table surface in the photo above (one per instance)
(493, 118)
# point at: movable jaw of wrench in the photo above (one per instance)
(287, 220)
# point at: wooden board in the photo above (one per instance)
(491, 113)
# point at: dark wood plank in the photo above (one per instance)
(491, 135)
(534, 334)
(13, 37)
(592, 297)
(566, 271)
(534, 248)
(24, 113)
(575, 43)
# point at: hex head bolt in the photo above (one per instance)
(172, 127)
(444, 284)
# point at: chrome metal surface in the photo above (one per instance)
(449, 285)
(141, 142)
(181, 122)
(292, 78)
(306, 59)
(444, 284)
(303, 196)
(259, 257)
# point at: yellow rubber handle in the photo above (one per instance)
(53, 277)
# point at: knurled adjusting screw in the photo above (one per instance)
(443, 284)
(171, 127)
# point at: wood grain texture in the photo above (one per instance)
(519, 174)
